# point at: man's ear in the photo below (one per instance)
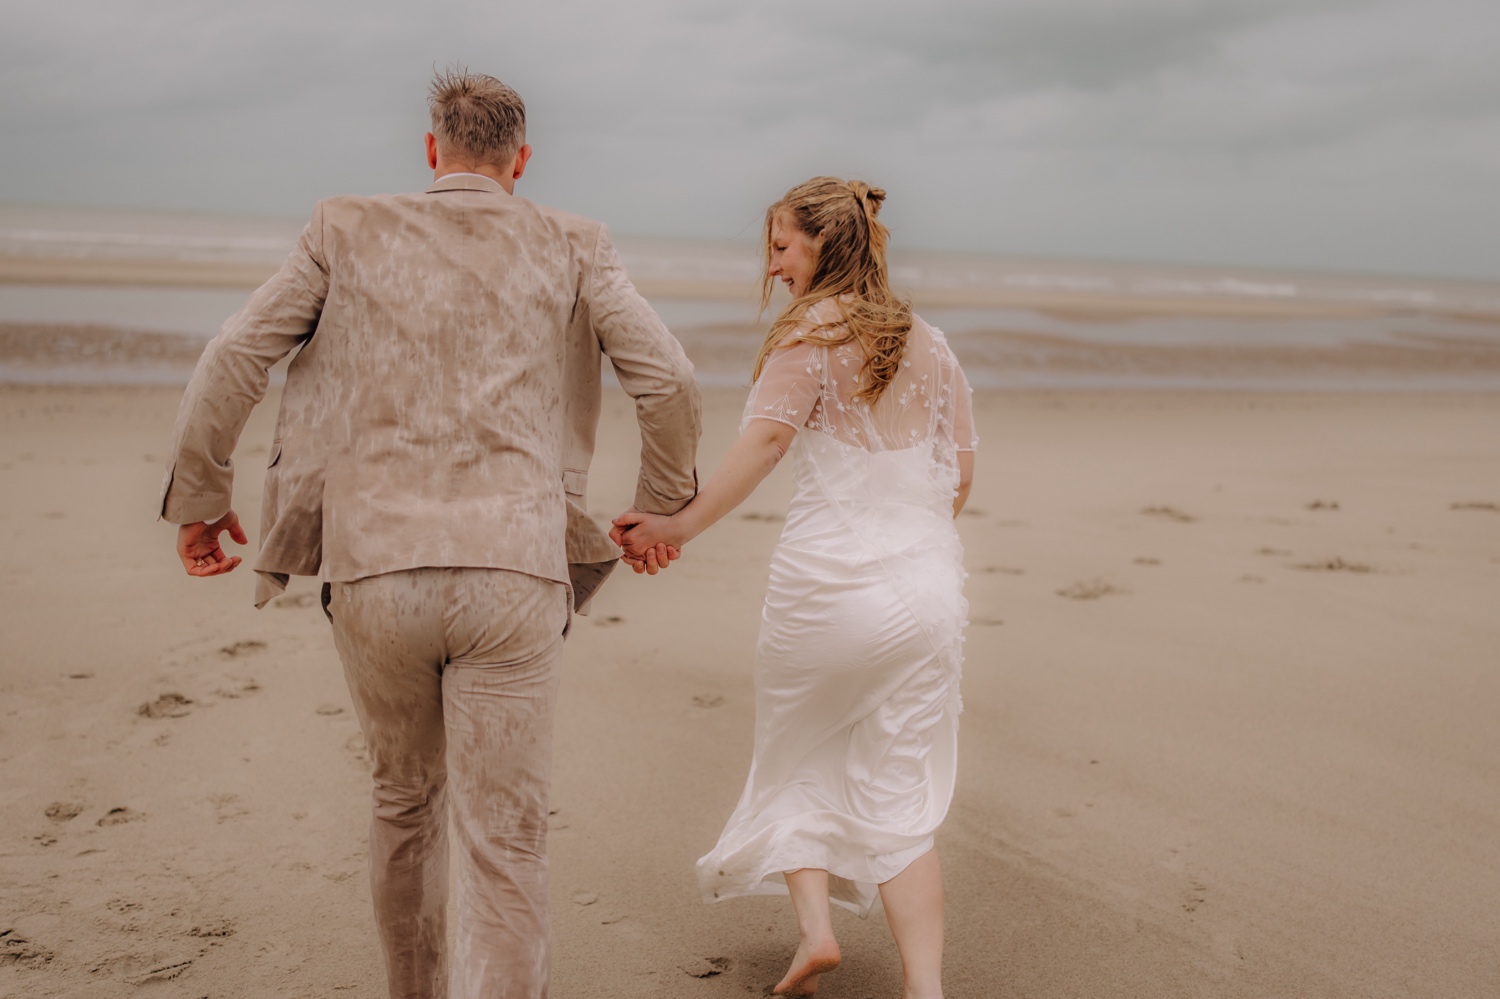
(523, 156)
(431, 141)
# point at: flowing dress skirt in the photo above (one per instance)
(856, 675)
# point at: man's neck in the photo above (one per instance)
(503, 178)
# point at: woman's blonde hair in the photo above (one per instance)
(851, 268)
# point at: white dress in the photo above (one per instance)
(860, 649)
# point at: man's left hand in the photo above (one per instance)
(198, 546)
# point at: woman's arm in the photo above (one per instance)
(749, 460)
(965, 480)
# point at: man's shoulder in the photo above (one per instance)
(564, 221)
(577, 228)
(341, 204)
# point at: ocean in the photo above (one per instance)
(106, 296)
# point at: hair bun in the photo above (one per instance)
(864, 192)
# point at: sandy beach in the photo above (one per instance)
(1229, 726)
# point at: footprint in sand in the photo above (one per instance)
(1195, 896)
(16, 949)
(768, 518)
(584, 898)
(329, 710)
(238, 687)
(1006, 570)
(227, 806)
(1334, 564)
(1091, 589)
(970, 511)
(1475, 505)
(63, 811)
(1273, 551)
(1145, 560)
(292, 601)
(707, 967)
(162, 972)
(238, 649)
(707, 700)
(1168, 513)
(168, 705)
(987, 622)
(214, 928)
(1252, 578)
(118, 816)
(122, 906)
(1323, 505)
(607, 620)
(356, 745)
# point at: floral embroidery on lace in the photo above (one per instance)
(812, 386)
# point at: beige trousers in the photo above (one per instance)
(454, 677)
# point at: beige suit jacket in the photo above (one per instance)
(442, 404)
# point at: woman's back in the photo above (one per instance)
(923, 412)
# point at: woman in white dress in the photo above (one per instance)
(858, 660)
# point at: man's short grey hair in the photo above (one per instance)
(476, 118)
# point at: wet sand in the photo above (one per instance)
(1229, 725)
(71, 353)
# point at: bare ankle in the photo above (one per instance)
(815, 957)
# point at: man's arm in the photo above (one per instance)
(655, 372)
(231, 377)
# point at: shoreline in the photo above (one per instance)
(1001, 359)
(1076, 304)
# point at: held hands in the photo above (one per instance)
(646, 541)
(652, 541)
(198, 546)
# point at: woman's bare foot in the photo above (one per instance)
(810, 961)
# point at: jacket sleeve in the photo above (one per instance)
(655, 372)
(232, 375)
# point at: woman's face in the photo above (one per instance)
(794, 256)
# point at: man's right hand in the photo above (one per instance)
(198, 546)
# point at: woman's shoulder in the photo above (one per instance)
(923, 328)
(826, 312)
(927, 337)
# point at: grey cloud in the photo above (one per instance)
(1088, 46)
(684, 116)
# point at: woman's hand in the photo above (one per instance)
(750, 459)
(637, 533)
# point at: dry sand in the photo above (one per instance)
(1230, 725)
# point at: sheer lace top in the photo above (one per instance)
(813, 387)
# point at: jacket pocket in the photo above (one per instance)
(575, 482)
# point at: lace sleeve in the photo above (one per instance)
(789, 386)
(965, 437)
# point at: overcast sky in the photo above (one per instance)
(1336, 134)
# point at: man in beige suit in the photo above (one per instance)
(430, 463)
